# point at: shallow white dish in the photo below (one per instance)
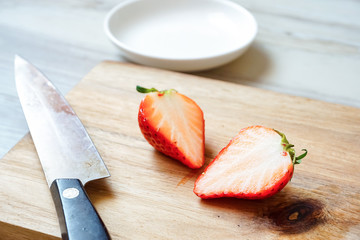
(181, 35)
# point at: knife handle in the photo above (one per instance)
(77, 216)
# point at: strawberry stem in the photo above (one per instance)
(289, 148)
(298, 158)
(148, 90)
(145, 90)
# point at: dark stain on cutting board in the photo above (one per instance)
(295, 212)
(298, 216)
(282, 213)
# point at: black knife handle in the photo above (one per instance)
(77, 216)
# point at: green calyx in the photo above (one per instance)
(148, 90)
(289, 148)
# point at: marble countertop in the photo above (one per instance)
(304, 48)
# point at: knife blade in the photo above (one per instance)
(67, 154)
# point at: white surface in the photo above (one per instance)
(186, 35)
(305, 48)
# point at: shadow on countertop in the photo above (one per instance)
(247, 69)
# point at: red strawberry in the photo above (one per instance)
(256, 164)
(174, 125)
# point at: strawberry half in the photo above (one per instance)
(174, 125)
(256, 164)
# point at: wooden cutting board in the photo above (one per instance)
(149, 196)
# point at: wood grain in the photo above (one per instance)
(149, 196)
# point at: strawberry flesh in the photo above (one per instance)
(254, 165)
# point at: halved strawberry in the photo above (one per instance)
(256, 164)
(174, 125)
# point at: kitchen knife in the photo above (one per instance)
(67, 154)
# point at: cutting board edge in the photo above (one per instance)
(217, 81)
(12, 231)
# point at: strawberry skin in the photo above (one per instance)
(174, 125)
(256, 164)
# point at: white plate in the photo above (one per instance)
(181, 35)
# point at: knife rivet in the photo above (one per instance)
(70, 193)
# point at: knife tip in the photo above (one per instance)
(18, 58)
